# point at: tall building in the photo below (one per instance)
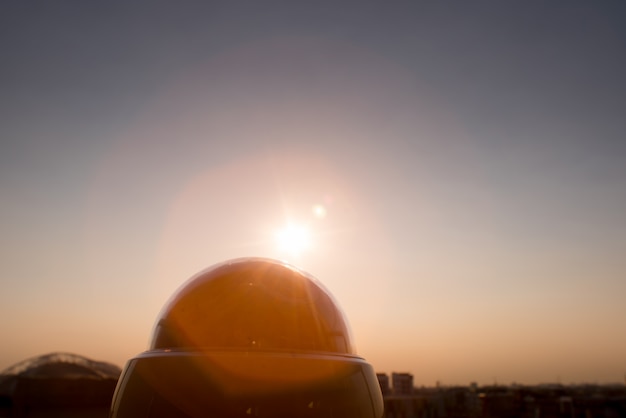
(383, 381)
(402, 383)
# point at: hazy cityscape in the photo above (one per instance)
(402, 399)
(67, 385)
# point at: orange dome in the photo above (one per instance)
(253, 304)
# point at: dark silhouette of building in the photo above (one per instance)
(402, 383)
(58, 384)
(541, 401)
(383, 381)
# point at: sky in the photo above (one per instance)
(456, 173)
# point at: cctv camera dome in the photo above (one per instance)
(249, 337)
(253, 304)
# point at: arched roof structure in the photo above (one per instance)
(63, 365)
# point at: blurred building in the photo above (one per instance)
(541, 401)
(383, 381)
(58, 384)
(402, 383)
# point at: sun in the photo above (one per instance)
(293, 239)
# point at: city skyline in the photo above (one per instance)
(454, 174)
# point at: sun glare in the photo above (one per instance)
(293, 239)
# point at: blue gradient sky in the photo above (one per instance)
(471, 158)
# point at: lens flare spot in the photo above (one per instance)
(319, 211)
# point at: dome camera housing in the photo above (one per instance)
(249, 338)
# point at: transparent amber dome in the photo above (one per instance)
(253, 304)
